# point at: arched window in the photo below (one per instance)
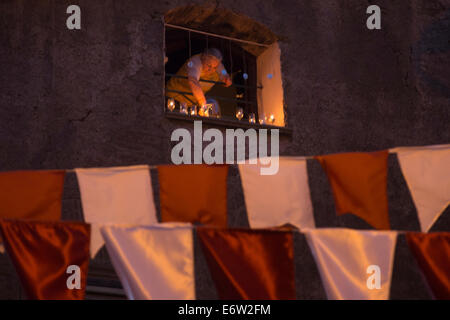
(250, 56)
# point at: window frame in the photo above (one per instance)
(224, 122)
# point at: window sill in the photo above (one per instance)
(227, 122)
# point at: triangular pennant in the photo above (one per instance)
(427, 174)
(115, 195)
(51, 258)
(359, 184)
(354, 264)
(153, 262)
(194, 193)
(31, 195)
(250, 264)
(291, 203)
(432, 253)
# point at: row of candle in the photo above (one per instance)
(251, 117)
(239, 112)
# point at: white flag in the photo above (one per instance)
(153, 262)
(115, 195)
(274, 200)
(427, 174)
(354, 264)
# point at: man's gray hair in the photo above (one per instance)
(213, 52)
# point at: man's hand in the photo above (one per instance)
(202, 111)
(227, 81)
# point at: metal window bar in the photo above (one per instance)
(215, 97)
(231, 60)
(217, 82)
(190, 53)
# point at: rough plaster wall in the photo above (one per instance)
(94, 97)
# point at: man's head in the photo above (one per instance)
(211, 59)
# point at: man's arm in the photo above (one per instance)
(223, 75)
(193, 74)
(197, 90)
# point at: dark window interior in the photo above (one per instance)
(237, 61)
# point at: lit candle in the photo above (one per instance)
(272, 118)
(183, 108)
(239, 113)
(262, 119)
(170, 104)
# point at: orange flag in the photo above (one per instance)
(51, 258)
(194, 193)
(432, 253)
(34, 195)
(359, 183)
(250, 264)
